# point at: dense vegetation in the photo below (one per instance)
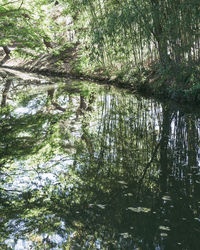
(85, 166)
(134, 41)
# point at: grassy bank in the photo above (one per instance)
(175, 83)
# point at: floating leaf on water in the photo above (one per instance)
(101, 206)
(139, 209)
(195, 167)
(125, 235)
(166, 198)
(129, 194)
(163, 234)
(165, 228)
(122, 182)
(198, 219)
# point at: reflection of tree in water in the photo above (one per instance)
(5, 92)
(126, 176)
(179, 175)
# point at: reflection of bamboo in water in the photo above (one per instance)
(192, 138)
(86, 136)
(164, 157)
(192, 148)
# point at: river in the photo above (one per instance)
(88, 166)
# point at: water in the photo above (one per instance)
(85, 166)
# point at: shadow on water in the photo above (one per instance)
(90, 167)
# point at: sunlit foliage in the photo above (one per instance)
(138, 33)
(30, 26)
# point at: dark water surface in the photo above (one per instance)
(84, 166)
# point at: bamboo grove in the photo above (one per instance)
(116, 35)
(140, 32)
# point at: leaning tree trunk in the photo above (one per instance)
(6, 50)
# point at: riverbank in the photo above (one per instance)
(177, 84)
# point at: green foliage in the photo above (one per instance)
(63, 50)
(27, 25)
(138, 33)
(115, 37)
(15, 24)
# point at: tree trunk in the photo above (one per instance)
(159, 33)
(6, 50)
(5, 93)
